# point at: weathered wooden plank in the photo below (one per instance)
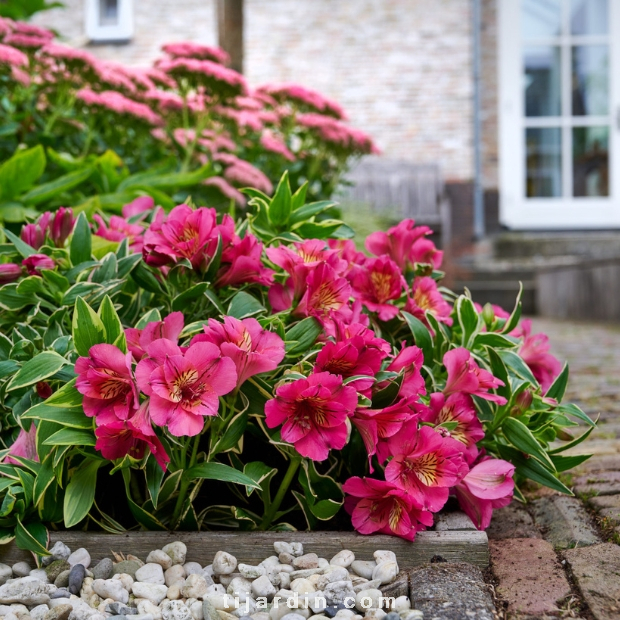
(249, 547)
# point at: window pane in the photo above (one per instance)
(591, 161)
(543, 148)
(540, 18)
(108, 12)
(542, 80)
(590, 71)
(588, 16)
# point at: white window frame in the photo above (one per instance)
(516, 210)
(121, 31)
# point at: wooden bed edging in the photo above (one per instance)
(250, 547)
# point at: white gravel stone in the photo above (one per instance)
(151, 573)
(386, 572)
(27, 591)
(59, 551)
(246, 608)
(302, 586)
(145, 606)
(125, 579)
(283, 547)
(343, 558)
(159, 557)
(195, 586)
(174, 574)
(79, 556)
(293, 616)
(323, 563)
(240, 587)
(284, 580)
(382, 555)
(368, 599)
(413, 614)
(192, 568)
(344, 613)
(261, 586)
(216, 588)
(38, 612)
(153, 592)
(337, 573)
(224, 563)
(175, 610)
(337, 591)
(177, 551)
(6, 572)
(375, 614)
(401, 604)
(317, 602)
(174, 591)
(251, 572)
(111, 588)
(363, 568)
(20, 569)
(309, 560)
(221, 602)
(40, 574)
(196, 610)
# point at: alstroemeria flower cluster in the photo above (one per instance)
(160, 384)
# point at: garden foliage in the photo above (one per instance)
(191, 370)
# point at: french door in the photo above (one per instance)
(559, 112)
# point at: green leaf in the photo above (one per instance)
(572, 410)
(244, 305)
(154, 476)
(23, 248)
(522, 438)
(513, 319)
(421, 336)
(38, 368)
(573, 443)
(145, 278)
(261, 474)
(517, 365)
(114, 332)
(66, 396)
(47, 191)
(44, 479)
(299, 197)
(386, 396)
(494, 340)
(301, 336)
(80, 249)
(532, 469)
(80, 492)
(280, 206)
(21, 171)
(71, 437)
(564, 463)
(234, 431)
(307, 211)
(558, 387)
(219, 471)
(150, 317)
(468, 317)
(88, 329)
(31, 537)
(180, 302)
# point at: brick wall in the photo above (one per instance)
(401, 68)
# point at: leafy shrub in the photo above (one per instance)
(253, 373)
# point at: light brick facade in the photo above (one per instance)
(401, 68)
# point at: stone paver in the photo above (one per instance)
(564, 521)
(596, 570)
(607, 506)
(450, 592)
(601, 483)
(531, 580)
(514, 521)
(453, 521)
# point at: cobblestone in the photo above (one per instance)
(514, 521)
(596, 570)
(564, 521)
(602, 483)
(607, 506)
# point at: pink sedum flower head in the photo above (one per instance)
(411, 360)
(314, 413)
(139, 339)
(535, 353)
(119, 438)
(253, 350)
(188, 49)
(184, 386)
(378, 507)
(464, 375)
(25, 446)
(106, 381)
(405, 244)
(457, 408)
(378, 282)
(425, 464)
(425, 297)
(487, 486)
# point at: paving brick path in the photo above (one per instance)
(558, 555)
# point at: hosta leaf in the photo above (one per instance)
(80, 492)
(219, 471)
(38, 368)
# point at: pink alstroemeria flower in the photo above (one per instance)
(326, 293)
(242, 264)
(139, 339)
(314, 413)
(379, 507)
(425, 297)
(253, 349)
(425, 464)
(405, 244)
(464, 375)
(106, 381)
(411, 359)
(132, 437)
(535, 353)
(378, 282)
(118, 229)
(184, 386)
(36, 262)
(487, 486)
(138, 206)
(25, 446)
(458, 408)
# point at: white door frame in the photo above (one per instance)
(517, 211)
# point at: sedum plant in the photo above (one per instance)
(187, 370)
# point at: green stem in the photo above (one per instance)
(284, 485)
(185, 484)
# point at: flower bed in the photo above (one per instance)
(270, 358)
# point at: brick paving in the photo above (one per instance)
(557, 555)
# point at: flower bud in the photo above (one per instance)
(36, 262)
(9, 272)
(522, 403)
(488, 314)
(62, 226)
